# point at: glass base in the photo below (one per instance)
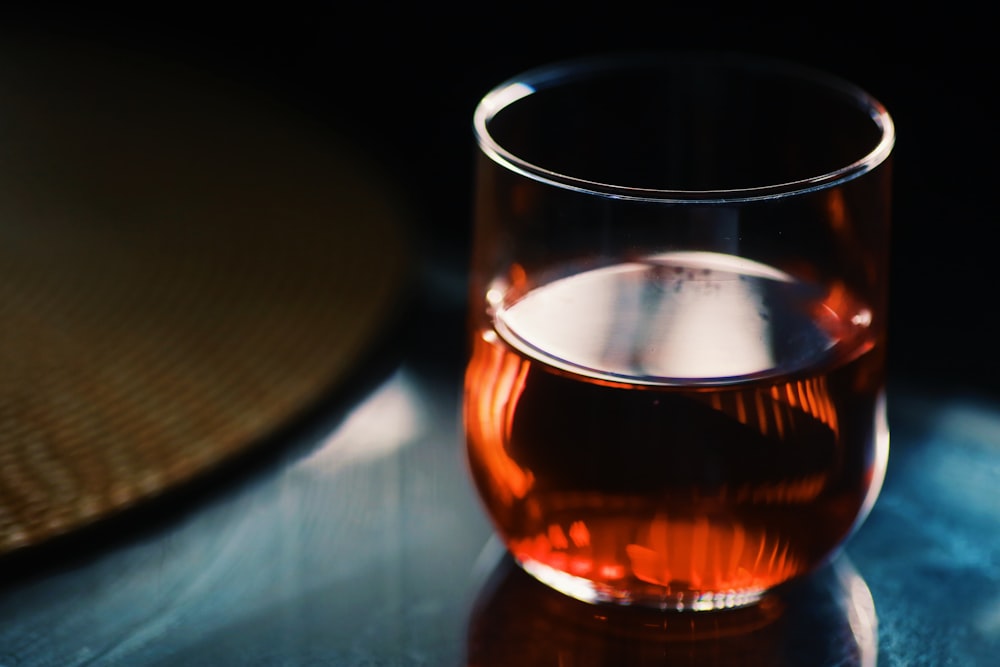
(639, 594)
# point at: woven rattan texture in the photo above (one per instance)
(183, 269)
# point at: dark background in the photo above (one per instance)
(402, 81)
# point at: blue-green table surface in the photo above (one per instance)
(358, 540)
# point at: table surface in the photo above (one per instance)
(357, 539)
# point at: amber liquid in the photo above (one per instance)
(683, 432)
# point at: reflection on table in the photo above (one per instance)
(828, 619)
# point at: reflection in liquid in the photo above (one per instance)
(826, 619)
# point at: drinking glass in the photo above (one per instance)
(675, 387)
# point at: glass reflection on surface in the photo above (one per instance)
(826, 619)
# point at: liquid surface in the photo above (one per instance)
(682, 432)
(679, 318)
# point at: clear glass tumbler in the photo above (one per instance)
(675, 389)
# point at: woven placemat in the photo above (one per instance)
(184, 268)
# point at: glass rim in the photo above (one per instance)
(534, 80)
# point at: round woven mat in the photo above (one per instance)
(184, 268)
